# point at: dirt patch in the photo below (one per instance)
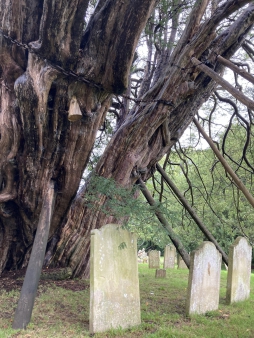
(13, 280)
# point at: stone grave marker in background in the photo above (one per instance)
(169, 257)
(114, 284)
(154, 259)
(142, 256)
(181, 263)
(160, 273)
(204, 279)
(239, 271)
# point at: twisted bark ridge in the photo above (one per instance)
(37, 141)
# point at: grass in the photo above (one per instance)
(63, 313)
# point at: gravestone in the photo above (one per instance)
(169, 257)
(181, 263)
(154, 259)
(114, 284)
(239, 271)
(204, 279)
(142, 256)
(160, 273)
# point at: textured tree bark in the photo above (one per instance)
(37, 141)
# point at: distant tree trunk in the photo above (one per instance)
(142, 140)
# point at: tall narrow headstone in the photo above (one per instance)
(114, 284)
(204, 279)
(239, 271)
(154, 259)
(169, 257)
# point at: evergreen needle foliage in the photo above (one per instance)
(130, 206)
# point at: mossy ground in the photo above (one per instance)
(61, 312)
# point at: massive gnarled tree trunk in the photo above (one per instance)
(37, 141)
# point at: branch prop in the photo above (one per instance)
(238, 95)
(226, 166)
(192, 213)
(236, 69)
(175, 240)
(29, 289)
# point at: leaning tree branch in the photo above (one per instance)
(29, 289)
(238, 95)
(236, 69)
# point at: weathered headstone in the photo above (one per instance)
(169, 257)
(204, 279)
(114, 284)
(181, 263)
(142, 256)
(154, 259)
(239, 271)
(160, 273)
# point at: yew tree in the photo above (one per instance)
(56, 54)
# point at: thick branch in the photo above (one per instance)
(236, 69)
(238, 95)
(61, 29)
(110, 41)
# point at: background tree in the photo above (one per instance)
(61, 61)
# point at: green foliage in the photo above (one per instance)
(133, 211)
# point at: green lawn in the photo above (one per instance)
(63, 313)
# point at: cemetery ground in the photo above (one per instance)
(62, 309)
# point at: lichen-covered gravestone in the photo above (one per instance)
(114, 284)
(204, 279)
(160, 273)
(239, 271)
(169, 257)
(181, 263)
(154, 259)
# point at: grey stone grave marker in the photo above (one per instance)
(142, 256)
(181, 263)
(154, 259)
(239, 271)
(204, 279)
(114, 284)
(160, 273)
(169, 257)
